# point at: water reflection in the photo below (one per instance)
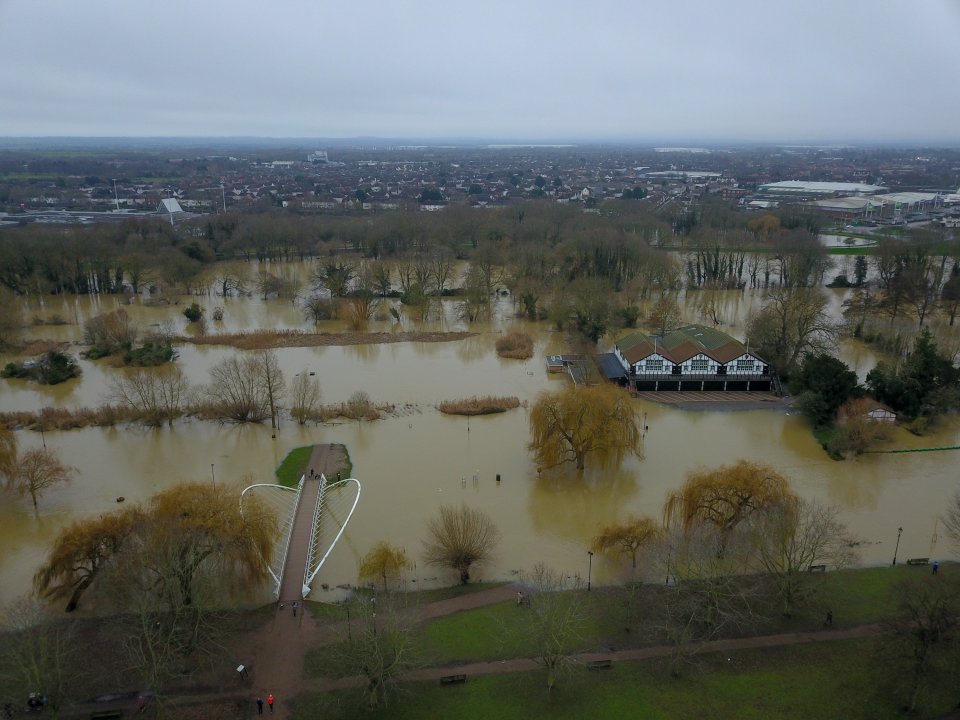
(574, 505)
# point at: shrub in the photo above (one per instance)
(516, 345)
(193, 313)
(55, 368)
(154, 351)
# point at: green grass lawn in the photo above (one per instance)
(842, 680)
(291, 468)
(295, 463)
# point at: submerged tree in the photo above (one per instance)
(36, 471)
(304, 396)
(791, 323)
(460, 538)
(570, 425)
(157, 396)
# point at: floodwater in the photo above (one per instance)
(411, 463)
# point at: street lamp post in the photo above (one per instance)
(589, 568)
(897, 547)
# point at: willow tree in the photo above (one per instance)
(570, 424)
(81, 551)
(459, 538)
(195, 529)
(628, 537)
(725, 496)
(384, 562)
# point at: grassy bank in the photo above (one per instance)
(293, 466)
(841, 680)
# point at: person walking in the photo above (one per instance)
(294, 608)
(259, 705)
(270, 702)
(936, 566)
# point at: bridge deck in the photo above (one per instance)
(326, 459)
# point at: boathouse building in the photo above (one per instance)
(693, 357)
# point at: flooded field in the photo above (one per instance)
(411, 463)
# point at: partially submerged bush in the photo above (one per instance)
(55, 367)
(515, 345)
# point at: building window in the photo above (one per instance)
(699, 365)
(744, 365)
(654, 365)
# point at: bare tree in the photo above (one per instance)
(157, 396)
(36, 471)
(711, 595)
(381, 647)
(37, 654)
(932, 626)
(460, 538)
(304, 396)
(795, 534)
(110, 332)
(272, 380)
(237, 391)
(791, 323)
(555, 623)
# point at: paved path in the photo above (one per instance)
(277, 650)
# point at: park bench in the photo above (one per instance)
(599, 664)
(818, 568)
(918, 561)
(106, 714)
(453, 679)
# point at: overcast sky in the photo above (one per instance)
(810, 70)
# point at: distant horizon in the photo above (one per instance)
(494, 142)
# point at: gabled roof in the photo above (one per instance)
(635, 347)
(690, 340)
(682, 344)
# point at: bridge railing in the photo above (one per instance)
(314, 537)
(286, 542)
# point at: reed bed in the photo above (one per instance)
(478, 405)
(515, 345)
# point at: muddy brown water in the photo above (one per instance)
(411, 463)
